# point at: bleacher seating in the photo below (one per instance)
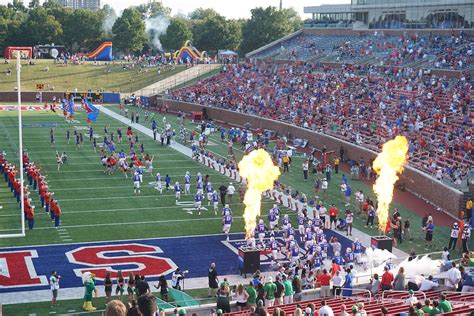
(394, 303)
(435, 113)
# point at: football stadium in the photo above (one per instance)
(246, 159)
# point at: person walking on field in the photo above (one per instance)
(286, 163)
(305, 169)
(213, 280)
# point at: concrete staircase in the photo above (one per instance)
(176, 80)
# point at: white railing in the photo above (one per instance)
(402, 292)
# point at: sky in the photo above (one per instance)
(228, 8)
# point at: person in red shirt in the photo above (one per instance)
(47, 200)
(30, 215)
(56, 210)
(333, 215)
(387, 279)
(325, 281)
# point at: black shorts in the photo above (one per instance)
(429, 236)
(242, 304)
(333, 219)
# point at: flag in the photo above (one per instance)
(92, 111)
(71, 107)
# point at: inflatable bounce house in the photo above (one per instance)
(189, 53)
(101, 53)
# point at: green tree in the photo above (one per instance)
(34, 4)
(129, 31)
(201, 14)
(214, 33)
(266, 26)
(90, 25)
(40, 28)
(17, 5)
(176, 34)
(153, 8)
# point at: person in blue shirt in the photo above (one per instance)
(261, 230)
(226, 223)
(348, 194)
(215, 201)
(136, 183)
(187, 183)
(198, 202)
(357, 250)
(344, 179)
(430, 227)
(222, 134)
(167, 182)
(177, 191)
(347, 284)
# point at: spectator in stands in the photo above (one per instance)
(132, 308)
(387, 279)
(223, 301)
(288, 297)
(360, 307)
(115, 308)
(375, 284)
(428, 284)
(411, 300)
(297, 288)
(427, 307)
(298, 312)
(444, 305)
(325, 310)
(343, 310)
(270, 289)
(415, 282)
(399, 281)
(280, 289)
(325, 280)
(240, 296)
(337, 283)
(147, 304)
(346, 292)
(252, 295)
(453, 278)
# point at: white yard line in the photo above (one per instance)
(121, 224)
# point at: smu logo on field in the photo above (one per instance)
(136, 258)
(18, 270)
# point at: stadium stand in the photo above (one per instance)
(453, 52)
(366, 108)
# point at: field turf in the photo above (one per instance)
(97, 206)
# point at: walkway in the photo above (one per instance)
(176, 80)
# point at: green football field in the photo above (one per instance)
(99, 207)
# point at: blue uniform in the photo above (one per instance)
(167, 181)
(187, 179)
(226, 210)
(177, 188)
(215, 197)
(198, 198)
(227, 219)
(357, 247)
(339, 260)
(271, 217)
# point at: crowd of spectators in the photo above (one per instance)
(435, 113)
(454, 52)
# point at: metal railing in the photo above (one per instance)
(341, 290)
(178, 79)
(401, 292)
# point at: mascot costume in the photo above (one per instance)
(89, 287)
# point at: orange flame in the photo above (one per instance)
(260, 172)
(388, 165)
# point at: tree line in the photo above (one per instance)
(82, 30)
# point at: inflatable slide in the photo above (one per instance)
(189, 53)
(102, 53)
